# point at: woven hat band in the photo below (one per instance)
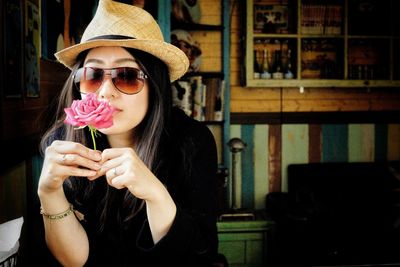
(111, 37)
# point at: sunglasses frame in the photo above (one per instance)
(108, 72)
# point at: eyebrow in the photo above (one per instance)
(120, 60)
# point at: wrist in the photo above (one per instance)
(53, 202)
(159, 196)
(44, 193)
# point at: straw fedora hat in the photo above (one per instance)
(118, 24)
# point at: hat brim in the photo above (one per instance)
(173, 57)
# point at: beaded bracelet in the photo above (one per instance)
(58, 216)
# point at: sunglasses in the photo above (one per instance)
(127, 80)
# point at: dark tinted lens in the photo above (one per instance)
(127, 80)
(91, 80)
(88, 80)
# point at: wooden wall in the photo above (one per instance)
(262, 166)
(210, 41)
(17, 187)
(245, 99)
(282, 126)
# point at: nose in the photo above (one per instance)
(107, 89)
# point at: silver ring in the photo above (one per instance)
(115, 171)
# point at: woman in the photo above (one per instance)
(147, 195)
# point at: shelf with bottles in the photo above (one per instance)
(328, 46)
(322, 58)
(368, 59)
(273, 58)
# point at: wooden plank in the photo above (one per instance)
(393, 141)
(294, 147)
(235, 39)
(208, 37)
(257, 106)
(322, 105)
(242, 93)
(234, 80)
(236, 132)
(312, 102)
(210, 12)
(236, 63)
(209, 7)
(314, 143)
(275, 156)
(385, 104)
(210, 64)
(375, 117)
(361, 142)
(260, 165)
(381, 142)
(334, 143)
(247, 161)
(340, 93)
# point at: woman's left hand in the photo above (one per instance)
(123, 168)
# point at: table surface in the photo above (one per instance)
(232, 221)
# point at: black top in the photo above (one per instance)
(192, 239)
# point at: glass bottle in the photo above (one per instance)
(265, 74)
(289, 73)
(256, 66)
(277, 69)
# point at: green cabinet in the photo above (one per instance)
(244, 243)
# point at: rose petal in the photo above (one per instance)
(90, 111)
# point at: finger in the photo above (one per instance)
(111, 174)
(112, 153)
(78, 160)
(119, 182)
(81, 172)
(97, 175)
(68, 147)
(64, 170)
(110, 164)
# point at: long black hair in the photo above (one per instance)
(150, 135)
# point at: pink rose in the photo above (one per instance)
(90, 112)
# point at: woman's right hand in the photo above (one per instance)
(64, 159)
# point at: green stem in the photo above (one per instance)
(93, 133)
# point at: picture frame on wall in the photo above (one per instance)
(13, 54)
(270, 18)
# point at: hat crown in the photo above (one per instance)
(113, 18)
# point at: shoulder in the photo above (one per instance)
(186, 128)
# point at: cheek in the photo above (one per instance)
(134, 112)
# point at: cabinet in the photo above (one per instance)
(212, 34)
(332, 43)
(245, 243)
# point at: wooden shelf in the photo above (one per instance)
(337, 55)
(297, 83)
(196, 26)
(205, 74)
